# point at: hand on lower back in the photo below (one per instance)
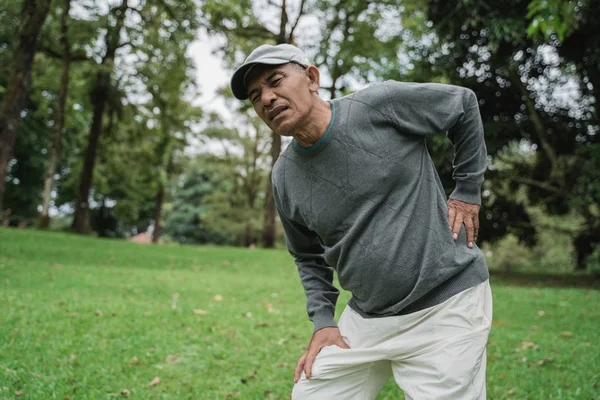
(321, 338)
(460, 213)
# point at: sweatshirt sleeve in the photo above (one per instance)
(316, 275)
(430, 108)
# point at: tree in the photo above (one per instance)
(32, 19)
(186, 223)
(361, 40)
(517, 77)
(235, 208)
(99, 96)
(156, 34)
(167, 78)
(239, 23)
(57, 131)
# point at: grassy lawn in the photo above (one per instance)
(86, 318)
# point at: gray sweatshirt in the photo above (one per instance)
(367, 202)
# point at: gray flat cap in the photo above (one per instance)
(265, 54)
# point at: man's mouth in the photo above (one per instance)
(276, 111)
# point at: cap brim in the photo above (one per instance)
(237, 80)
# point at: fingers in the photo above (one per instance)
(310, 358)
(458, 222)
(451, 218)
(299, 368)
(470, 231)
(342, 344)
(321, 338)
(460, 213)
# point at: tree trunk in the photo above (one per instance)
(160, 196)
(59, 119)
(269, 226)
(33, 16)
(81, 220)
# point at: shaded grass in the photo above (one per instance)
(86, 318)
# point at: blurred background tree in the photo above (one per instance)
(110, 141)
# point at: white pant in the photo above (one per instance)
(437, 353)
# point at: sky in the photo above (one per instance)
(210, 74)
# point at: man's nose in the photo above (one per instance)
(267, 97)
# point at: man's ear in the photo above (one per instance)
(314, 77)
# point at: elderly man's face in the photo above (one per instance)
(282, 96)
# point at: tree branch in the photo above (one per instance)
(535, 118)
(254, 32)
(282, 24)
(127, 43)
(538, 184)
(54, 54)
(300, 12)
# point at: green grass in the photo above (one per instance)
(53, 345)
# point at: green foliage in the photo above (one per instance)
(360, 41)
(187, 218)
(549, 17)
(224, 195)
(517, 79)
(148, 119)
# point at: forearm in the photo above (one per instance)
(470, 153)
(321, 294)
(316, 275)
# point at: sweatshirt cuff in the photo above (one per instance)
(468, 192)
(323, 321)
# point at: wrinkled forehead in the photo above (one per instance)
(260, 72)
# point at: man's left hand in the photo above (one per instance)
(460, 213)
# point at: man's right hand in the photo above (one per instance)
(321, 338)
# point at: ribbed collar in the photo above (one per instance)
(321, 143)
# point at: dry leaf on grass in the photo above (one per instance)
(154, 381)
(19, 393)
(541, 313)
(529, 345)
(174, 298)
(172, 359)
(543, 361)
(566, 334)
(218, 297)
(200, 312)
(99, 313)
(248, 377)
(123, 392)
